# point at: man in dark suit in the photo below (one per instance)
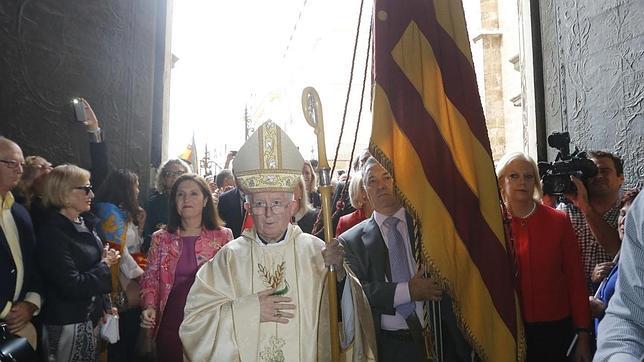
(19, 297)
(380, 251)
(231, 210)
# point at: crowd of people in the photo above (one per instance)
(228, 269)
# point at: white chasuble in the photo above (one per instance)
(222, 313)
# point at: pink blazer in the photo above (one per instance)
(165, 250)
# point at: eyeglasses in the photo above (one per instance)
(276, 206)
(173, 173)
(515, 177)
(87, 189)
(13, 163)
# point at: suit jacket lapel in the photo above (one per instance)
(376, 249)
(3, 238)
(3, 242)
(21, 233)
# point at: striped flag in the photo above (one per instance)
(429, 132)
(189, 155)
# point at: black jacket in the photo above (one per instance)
(230, 210)
(156, 216)
(31, 280)
(76, 280)
(307, 221)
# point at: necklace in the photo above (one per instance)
(523, 219)
(534, 208)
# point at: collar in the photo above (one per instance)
(380, 218)
(277, 242)
(261, 241)
(6, 201)
(56, 219)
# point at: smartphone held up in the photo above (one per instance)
(79, 109)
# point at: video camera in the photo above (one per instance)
(555, 176)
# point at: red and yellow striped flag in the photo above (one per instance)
(429, 132)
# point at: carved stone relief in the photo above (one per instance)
(55, 50)
(593, 55)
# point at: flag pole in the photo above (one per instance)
(312, 108)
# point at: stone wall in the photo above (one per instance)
(104, 51)
(493, 30)
(593, 60)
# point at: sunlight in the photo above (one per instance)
(260, 55)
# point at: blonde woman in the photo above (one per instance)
(311, 185)
(32, 181)
(359, 200)
(75, 266)
(306, 215)
(551, 283)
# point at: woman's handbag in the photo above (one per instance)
(14, 348)
(109, 328)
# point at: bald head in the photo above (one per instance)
(11, 160)
(6, 144)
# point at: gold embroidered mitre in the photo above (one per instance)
(268, 162)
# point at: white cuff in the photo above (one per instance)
(35, 299)
(402, 295)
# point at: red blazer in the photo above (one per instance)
(346, 222)
(551, 279)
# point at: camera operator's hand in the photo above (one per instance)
(91, 122)
(601, 271)
(580, 198)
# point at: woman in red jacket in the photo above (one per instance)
(554, 299)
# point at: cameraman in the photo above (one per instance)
(594, 211)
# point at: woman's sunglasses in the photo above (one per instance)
(87, 189)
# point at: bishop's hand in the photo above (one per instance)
(333, 255)
(274, 308)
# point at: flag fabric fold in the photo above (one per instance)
(429, 132)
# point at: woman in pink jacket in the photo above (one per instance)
(193, 236)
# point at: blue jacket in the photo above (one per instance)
(31, 281)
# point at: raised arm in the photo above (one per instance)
(606, 235)
(97, 148)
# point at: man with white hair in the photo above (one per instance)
(263, 296)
